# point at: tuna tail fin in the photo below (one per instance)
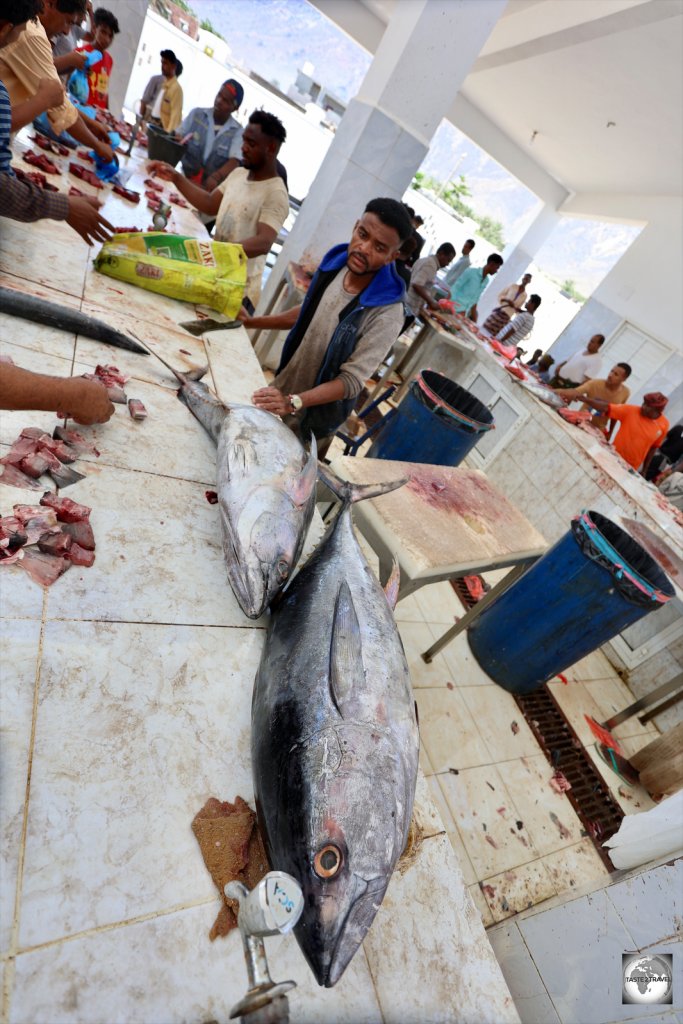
(184, 378)
(350, 493)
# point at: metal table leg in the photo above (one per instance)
(473, 613)
(645, 702)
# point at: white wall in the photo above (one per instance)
(202, 76)
(644, 287)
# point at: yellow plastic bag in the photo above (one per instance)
(189, 269)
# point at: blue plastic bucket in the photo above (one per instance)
(588, 587)
(438, 423)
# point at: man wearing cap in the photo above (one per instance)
(162, 100)
(213, 138)
(642, 428)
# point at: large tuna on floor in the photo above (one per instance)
(335, 741)
(265, 481)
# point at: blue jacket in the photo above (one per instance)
(385, 289)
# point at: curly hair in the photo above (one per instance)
(104, 17)
(16, 12)
(270, 125)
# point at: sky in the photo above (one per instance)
(580, 250)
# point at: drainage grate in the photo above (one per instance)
(590, 797)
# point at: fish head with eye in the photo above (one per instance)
(344, 843)
(261, 553)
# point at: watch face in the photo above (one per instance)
(296, 402)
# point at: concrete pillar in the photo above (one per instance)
(131, 17)
(517, 260)
(422, 60)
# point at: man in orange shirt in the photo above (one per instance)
(642, 428)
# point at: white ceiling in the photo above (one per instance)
(564, 69)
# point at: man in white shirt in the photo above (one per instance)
(252, 204)
(461, 265)
(422, 276)
(584, 365)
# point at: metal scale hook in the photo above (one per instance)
(273, 906)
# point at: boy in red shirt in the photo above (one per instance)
(106, 27)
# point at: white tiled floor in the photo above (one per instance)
(518, 842)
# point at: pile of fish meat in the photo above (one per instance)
(115, 381)
(47, 539)
(35, 453)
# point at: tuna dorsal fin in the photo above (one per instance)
(349, 492)
(300, 489)
(346, 662)
(392, 585)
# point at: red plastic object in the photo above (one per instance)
(603, 735)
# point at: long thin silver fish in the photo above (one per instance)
(39, 311)
(265, 481)
(335, 741)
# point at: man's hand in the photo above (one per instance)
(84, 217)
(50, 92)
(104, 151)
(159, 169)
(87, 401)
(100, 132)
(568, 393)
(272, 400)
(245, 316)
(78, 60)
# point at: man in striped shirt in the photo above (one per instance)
(522, 325)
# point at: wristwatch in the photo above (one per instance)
(296, 402)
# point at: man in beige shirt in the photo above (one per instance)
(350, 318)
(28, 60)
(252, 204)
(612, 389)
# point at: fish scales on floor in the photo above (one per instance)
(266, 493)
(335, 741)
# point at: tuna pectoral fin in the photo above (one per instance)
(346, 662)
(392, 585)
(301, 487)
(350, 493)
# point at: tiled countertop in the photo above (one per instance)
(125, 704)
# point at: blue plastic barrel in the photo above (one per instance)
(588, 587)
(438, 423)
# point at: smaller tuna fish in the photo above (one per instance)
(266, 493)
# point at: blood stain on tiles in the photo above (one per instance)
(562, 829)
